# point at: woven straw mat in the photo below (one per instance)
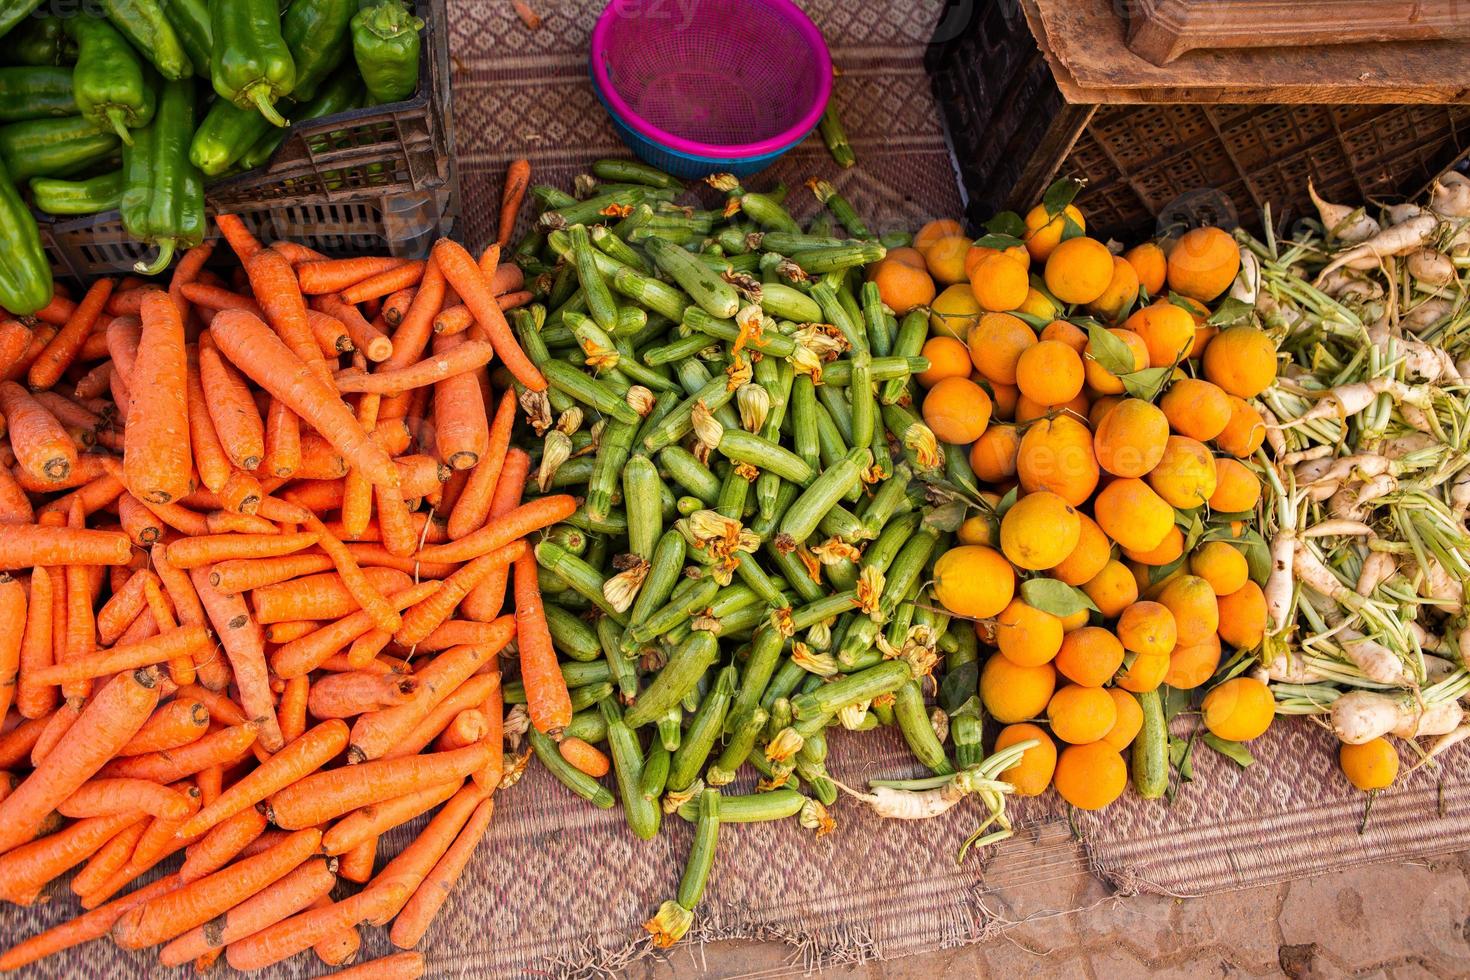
(559, 888)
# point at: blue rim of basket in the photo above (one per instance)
(734, 152)
(634, 137)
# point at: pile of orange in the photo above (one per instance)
(1106, 483)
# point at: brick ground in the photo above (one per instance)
(1393, 921)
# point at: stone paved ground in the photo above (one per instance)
(1391, 921)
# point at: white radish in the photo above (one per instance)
(1380, 486)
(1351, 225)
(1247, 285)
(1376, 661)
(1400, 446)
(1459, 499)
(1427, 314)
(1397, 214)
(1292, 670)
(1362, 716)
(1361, 466)
(1338, 528)
(1449, 196)
(1439, 585)
(1377, 568)
(1398, 240)
(1430, 267)
(1279, 587)
(1348, 286)
(1445, 742)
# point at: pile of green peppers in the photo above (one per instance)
(132, 105)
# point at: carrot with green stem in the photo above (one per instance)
(34, 700)
(304, 755)
(231, 407)
(42, 447)
(26, 870)
(192, 904)
(226, 746)
(257, 351)
(473, 287)
(58, 355)
(306, 654)
(157, 460)
(113, 716)
(176, 723)
(429, 897)
(547, 699)
(377, 733)
(244, 645)
(224, 842)
(517, 182)
(428, 615)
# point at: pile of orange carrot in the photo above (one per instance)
(256, 528)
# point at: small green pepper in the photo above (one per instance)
(35, 93)
(144, 23)
(25, 272)
(54, 147)
(111, 89)
(12, 13)
(91, 196)
(385, 43)
(251, 65)
(163, 193)
(190, 19)
(39, 42)
(316, 32)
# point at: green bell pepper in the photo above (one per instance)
(316, 32)
(111, 88)
(191, 22)
(252, 66)
(386, 44)
(91, 196)
(163, 193)
(144, 23)
(35, 93)
(54, 147)
(25, 272)
(39, 41)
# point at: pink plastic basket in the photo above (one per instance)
(712, 85)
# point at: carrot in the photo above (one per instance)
(498, 532)
(335, 275)
(290, 630)
(106, 797)
(296, 253)
(16, 744)
(454, 633)
(95, 383)
(40, 337)
(222, 844)
(244, 645)
(351, 693)
(412, 336)
(319, 459)
(156, 843)
(155, 650)
(26, 870)
(474, 504)
(282, 440)
(221, 709)
(376, 734)
(241, 494)
(366, 336)
(587, 758)
(302, 656)
(187, 271)
(226, 521)
(48, 368)
(399, 966)
(139, 523)
(244, 574)
(93, 496)
(113, 716)
(357, 492)
(34, 700)
(81, 625)
(108, 859)
(198, 551)
(414, 920)
(15, 339)
(517, 180)
(365, 648)
(339, 664)
(176, 723)
(217, 298)
(322, 596)
(427, 616)
(471, 694)
(395, 522)
(473, 287)
(357, 864)
(12, 615)
(211, 783)
(156, 455)
(406, 872)
(57, 726)
(385, 283)
(465, 728)
(461, 429)
(213, 671)
(300, 932)
(309, 881)
(224, 746)
(42, 447)
(73, 932)
(370, 821)
(453, 320)
(66, 411)
(326, 795)
(273, 283)
(486, 600)
(469, 356)
(241, 240)
(15, 506)
(367, 594)
(395, 307)
(231, 407)
(330, 333)
(304, 755)
(493, 708)
(251, 346)
(547, 700)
